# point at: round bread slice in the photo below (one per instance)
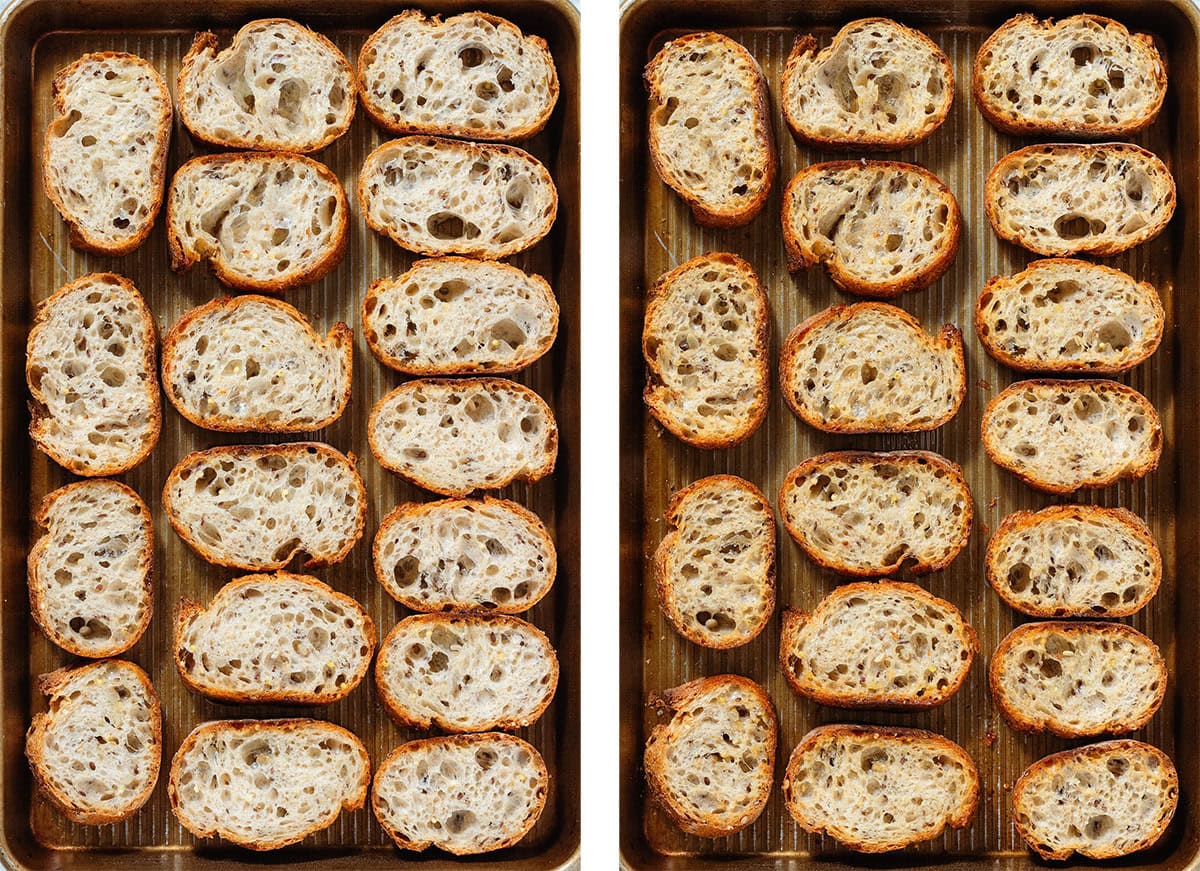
(96, 751)
(1077, 680)
(91, 573)
(869, 367)
(879, 788)
(868, 515)
(463, 554)
(1101, 801)
(465, 794)
(715, 568)
(1074, 561)
(712, 765)
(466, 672)
(1062, 315)
(1062, 436)
(878, 645)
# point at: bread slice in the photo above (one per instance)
(464, 794)
(466, 672)
(880, 227)
(715, 568)
(878, 645)
(255, 364)
(457, 435)
(105, 159)
(712, 765)
(869, 367)
(1085, 76)
(878, 86)
(91, 588)
(281, 780)
(278, 87)
(879, 788)
(1061, 436)
(96, 750)
(1074, 561)
(1059, 200)
(868, 515)
(265, 221)
(1077, 680)
(442, 196)
(456, 316)
(706, 342)
(474, 76)
(280, 638)
(710, 127)
(1101, 801)
(256, 507)
(1069, 316)
(464, 554)
(90, 367)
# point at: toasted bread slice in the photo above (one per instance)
(869, 367)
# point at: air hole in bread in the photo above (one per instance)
(1116, 78)
(1073, 226)
(504, 79)
(1083, 54)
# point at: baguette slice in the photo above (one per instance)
(715, 568)
(90, 367)
(1069, 316)
(1085, 76)
(255, 364)
(466, 672)
(441, 196)
(265, 222)
(91, 586)
(255, 507)
(878, 86)
(1061, 436)
(278, 87)
(705, 340)
(455, 316)
(96, 751)
(894, 787)
(1077, 680)
(869, 367)
(280, 638)
(880, 227)
(465, 554)
(712, 765)
(1074, 561)
(878, 645)
(105, 159)
(710, 127)
(1060, 200)
(1101, 801)
(282, 780)
(454, 436)
(868, 515)
(465, 794)
(474, 76)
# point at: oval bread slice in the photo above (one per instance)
(712, 765)
(1059, 200)
(877, 645)
(1074, 561)
(895, 787)
(871, 514)
(1063, 315)
(1061, 436)
(456, 316)
(869, 367)
(1100, 801)
(464, 794)
(1077, 680)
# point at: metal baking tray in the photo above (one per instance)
(37, 37)
(659, 233)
